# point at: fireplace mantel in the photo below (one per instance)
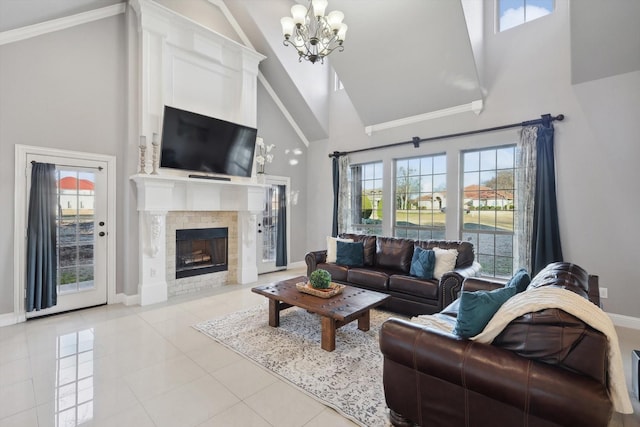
(159, 194)
(178, 193)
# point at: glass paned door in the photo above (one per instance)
(267, 222)
(76, 226)
(81, 223)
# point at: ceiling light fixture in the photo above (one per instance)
(313, 34)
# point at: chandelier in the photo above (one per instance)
(313, 34)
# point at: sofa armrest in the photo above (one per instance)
(423, 365)
(451, 283)
(472, 284)
(313, 259)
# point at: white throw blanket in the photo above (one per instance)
(537, 299)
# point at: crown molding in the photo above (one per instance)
(475, 106)
(46, 27)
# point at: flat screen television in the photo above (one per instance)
(194, 142)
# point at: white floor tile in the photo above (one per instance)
(284, 406)
(163, 376)
(238, 415)
(16, 398)
(244, 378)
(28, 418)
(190, 404)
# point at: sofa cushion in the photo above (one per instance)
(422, 263)
(465, 250)
(332, 248)
(349, 254)
(563, 275)
(394, 254)
(369, 243)
(414, 286)
(555, 337)
(445, 261)
(338, 272)
(477, 308)
(371, 279)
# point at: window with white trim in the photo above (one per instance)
(420, 191)
(511, 13)
(365, 211)
(487, 203)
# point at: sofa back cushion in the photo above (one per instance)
(369, 246)
(394, 254)
(465, 250)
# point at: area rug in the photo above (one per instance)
(348, 379)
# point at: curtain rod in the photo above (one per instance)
(72, 166)
(545, 120)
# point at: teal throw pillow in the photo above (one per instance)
(477, 308)
(350, 254)
(422, 263)
(520, 280)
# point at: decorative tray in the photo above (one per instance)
(334, 289)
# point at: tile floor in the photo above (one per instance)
(145, 366)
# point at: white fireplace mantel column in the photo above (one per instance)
(159, 194)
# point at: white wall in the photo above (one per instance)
(61, 90)
(527, 73)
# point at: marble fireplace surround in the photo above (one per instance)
(193, 203)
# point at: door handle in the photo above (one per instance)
(101, 234)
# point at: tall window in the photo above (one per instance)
(421, 197)
(512, 13)
(365, 182)
(488, 204)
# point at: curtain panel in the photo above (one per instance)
(42, 268)
(281, 230)
(525, 194)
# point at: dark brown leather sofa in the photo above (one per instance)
(387, 263)
(545, 369)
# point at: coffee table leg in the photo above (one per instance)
(274, 313)
(364, 321)
(328, 334)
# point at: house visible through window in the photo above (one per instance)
(488, 207)
(421, 197)
(512, 13)
(365, 213)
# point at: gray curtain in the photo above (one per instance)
(41, 238)
(525, 196)
(281, 230)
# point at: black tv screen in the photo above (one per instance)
(194, 142)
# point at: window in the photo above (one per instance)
(421, 197)
(512, 13)
(488, 206)
(365, 213)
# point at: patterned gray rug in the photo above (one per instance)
(348, 379)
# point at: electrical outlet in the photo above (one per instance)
(604, 293)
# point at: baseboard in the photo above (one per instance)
(9, 319)
(298, 264)
(127, 299)
(625, 321)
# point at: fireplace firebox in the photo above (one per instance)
(201, 251)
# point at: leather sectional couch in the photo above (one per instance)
(387, 263)
(545, 369)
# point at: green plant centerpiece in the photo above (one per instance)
(320, 279)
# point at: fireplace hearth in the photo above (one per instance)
(201, 251)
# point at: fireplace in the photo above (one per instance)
(201, 251)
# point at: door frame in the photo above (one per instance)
(20, 219)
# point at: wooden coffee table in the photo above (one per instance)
(335, 312)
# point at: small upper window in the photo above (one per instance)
(512, 13)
